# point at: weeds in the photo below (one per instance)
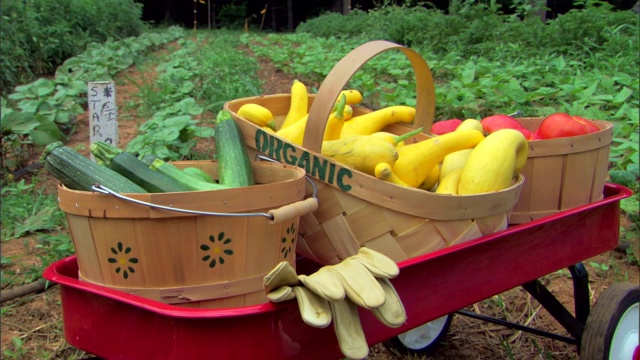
(27, 209)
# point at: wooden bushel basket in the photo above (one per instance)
(562, 173)
(190, 259)
(356, 209)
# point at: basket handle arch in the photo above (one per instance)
(344, 69)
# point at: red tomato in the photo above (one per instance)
(592, 127)
(501, 121)
(564, 125)
(445, 126)
(534, 136)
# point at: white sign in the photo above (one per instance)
(103, 123)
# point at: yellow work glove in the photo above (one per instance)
(348, 329)
(282, 284)
(392, 312)
(360, 280)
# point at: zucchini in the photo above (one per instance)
(134, 169)
(147, 159)
(199, 174)
(187, 180)
(193, 171)
(77, 172)
(234, 167)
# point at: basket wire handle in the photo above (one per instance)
(283, 213)
(346, 68)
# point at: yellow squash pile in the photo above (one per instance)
(462, 162)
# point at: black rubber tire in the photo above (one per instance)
(427, 348)
(604, 319)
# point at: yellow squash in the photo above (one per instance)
(354, 97)
(432, 179)
(384, 171)
(375, 121)
(361, 152)
(470, 124)
(416, 161)
(258, 115)
(449, 184)
(299, 106)
(295, 132)
(492, 165)
(336, 120)
(453, 161)
(457, 159)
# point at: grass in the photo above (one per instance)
(32, 220)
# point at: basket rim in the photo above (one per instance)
(570, 145)
(265, 196)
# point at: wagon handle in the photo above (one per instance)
(280, 214)
(343, 71)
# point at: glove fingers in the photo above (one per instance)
(346, 324)
(378, 264)
(359, 285)
(392, 312)
(315, 311)
(281, 294)
(324, 283)
(283, 274)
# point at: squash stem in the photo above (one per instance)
(404, 137)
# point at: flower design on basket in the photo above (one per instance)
(288, 242)
(124, 263)
(216, 250)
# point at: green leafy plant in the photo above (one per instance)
(36, 39)
(18, 352)
(600, 266)
(54, 247)
(194, 83)
(44, 111)
(27, 209)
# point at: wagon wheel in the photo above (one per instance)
(611, 331)
(424, 339)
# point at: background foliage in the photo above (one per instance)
(36, 36)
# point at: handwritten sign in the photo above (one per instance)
(103, 123)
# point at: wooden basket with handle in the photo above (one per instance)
(202, 249)
(356, 209)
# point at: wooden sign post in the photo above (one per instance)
(103, 123)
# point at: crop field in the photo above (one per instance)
(171, 82)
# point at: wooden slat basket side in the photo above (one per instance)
(189, 260)
(356, 209)
(563, 173)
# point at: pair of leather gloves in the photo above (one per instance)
(334, 292)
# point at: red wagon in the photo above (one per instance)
(115, 325)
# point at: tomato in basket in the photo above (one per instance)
(564, 125)
(445, 126)
(497, 122)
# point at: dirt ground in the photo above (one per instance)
(37, 321)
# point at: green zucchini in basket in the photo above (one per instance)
(198, 173)
(134, 169)
(234, 167)
(77, 172)
(147, 158)
(193, 183)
